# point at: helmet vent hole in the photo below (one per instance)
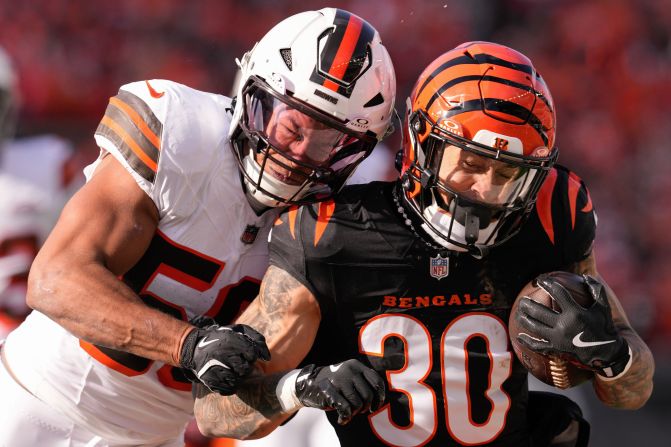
(375, 100)
(286, 55)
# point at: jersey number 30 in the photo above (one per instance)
(409, 380)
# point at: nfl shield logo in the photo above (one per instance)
(249, 235)
(440, 267)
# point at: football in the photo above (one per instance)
(551, 369)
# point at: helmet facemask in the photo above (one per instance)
(459, 212)
(291, 153)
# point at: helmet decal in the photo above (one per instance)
(344, 53)
(505, 90)
(328, 76)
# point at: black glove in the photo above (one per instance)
(584, 336)
(349, 388)
(220, 356)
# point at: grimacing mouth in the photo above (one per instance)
(283, 175)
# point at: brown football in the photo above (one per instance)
(551, 369)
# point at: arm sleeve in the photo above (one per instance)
(578, 218)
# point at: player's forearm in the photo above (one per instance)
(91, 303)
(251, 413)
(633, 389)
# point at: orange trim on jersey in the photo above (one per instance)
(293, 211)
(573, 189)
(223, 294)
(137, 150)
(164, 374)
(544, 204)
(345, 50)
(139, 122)
(588, 206)
(278, 221)
(100, 356)
(324, 214)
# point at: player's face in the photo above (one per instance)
(475, 177)
(293, 134)
(480, 178)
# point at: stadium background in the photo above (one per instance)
(607, 62)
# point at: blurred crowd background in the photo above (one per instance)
(607, 62)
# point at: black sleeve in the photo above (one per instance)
(570, 221)
(286, 247)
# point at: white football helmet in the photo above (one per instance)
(331, 68)
(8, 97)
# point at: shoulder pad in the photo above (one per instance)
(565, 210)
(147, 118)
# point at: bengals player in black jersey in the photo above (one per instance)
(415, 279)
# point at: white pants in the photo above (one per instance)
(26, 421)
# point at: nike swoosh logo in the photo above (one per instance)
(335, 368)
(210, 364)
(524, 334)
(586, 344)
(204, 342)
(153, 92)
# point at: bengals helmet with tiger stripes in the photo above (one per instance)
(481, 103)
(330, 65)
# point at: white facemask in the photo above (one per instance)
(441, 221)
(270, 184)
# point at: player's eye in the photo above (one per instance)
(293, 132)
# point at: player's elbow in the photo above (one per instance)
(42, 288)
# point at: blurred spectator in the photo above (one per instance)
(608, 63)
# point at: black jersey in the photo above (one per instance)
(433, 323)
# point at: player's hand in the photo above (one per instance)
(349, 388)
(220, 356)
(586, 336)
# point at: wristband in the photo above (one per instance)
(286, 392)
(606, 378)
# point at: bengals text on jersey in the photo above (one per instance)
(432, 322)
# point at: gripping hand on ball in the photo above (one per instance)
(220, 356)
(584, 335)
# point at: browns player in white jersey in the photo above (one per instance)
(173, 223)
(33, 188)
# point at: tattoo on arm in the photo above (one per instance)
(242, 414)
(634, 388)
(254, 409)
(277, 289)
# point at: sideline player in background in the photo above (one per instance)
(33, 188)
(416, 278)
(173, 223)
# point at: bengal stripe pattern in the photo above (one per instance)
(513, 92)
(130, 124)
(544, 204)
(345, 54)
(325, 211)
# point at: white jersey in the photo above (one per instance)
(207, 257)
(40, 160)
(24, 211)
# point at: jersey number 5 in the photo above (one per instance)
(422, 402)
(187, 268)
